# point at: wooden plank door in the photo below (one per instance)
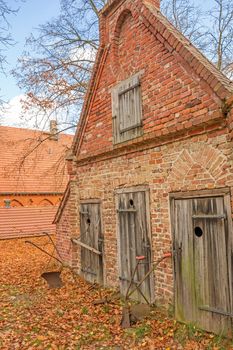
(203, 263)
(91, 236)
(134, 240)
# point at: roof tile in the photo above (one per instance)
(26, 221)
(43, 170)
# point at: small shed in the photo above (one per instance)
(151, 170)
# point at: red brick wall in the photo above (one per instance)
(67, 227)
(185, 144)
(200, 162)
(174, 99)
(63, 237)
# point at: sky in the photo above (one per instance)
(31, 14)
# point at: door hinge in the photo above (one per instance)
(216, 217)
(126, 210)
(147, 246)
(88, 271)
(215, 311)
(127, 280)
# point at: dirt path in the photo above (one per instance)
(35, 317)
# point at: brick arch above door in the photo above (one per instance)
(199, 167)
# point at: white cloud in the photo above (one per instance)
(14, 115)
(83, 53)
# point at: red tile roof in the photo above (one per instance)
(43, 170)
(26, 221)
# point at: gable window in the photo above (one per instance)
(127, 110)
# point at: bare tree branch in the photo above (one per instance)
(56, 69)
(56, 75)
(186, 17)
(38, 143)
(220, 38)
(5, 37)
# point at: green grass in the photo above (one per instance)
(138, 332)
(187, 332)
(84, 310)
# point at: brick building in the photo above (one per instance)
(152, 168)
(32, 180)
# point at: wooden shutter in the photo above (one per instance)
(127, 110)
(130, 105)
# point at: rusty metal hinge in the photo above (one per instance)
(84, 212)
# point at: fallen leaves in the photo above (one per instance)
(35, 317)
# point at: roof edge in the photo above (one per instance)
(62, 204)
(100, 59)
(177, 42)
(31, 193)
(109, 6)
(35, 131)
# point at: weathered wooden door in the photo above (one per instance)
(203, 262)
(92, 239)
(134, 240)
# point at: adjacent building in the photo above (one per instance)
(33, 178)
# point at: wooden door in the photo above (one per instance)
(203, 263)
(134, 240)
(92, 239)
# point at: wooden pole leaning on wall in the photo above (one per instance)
(93, 250)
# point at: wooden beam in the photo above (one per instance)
(90, 201)
(200, 193)
(93, 250)
(220, 216)
(133, 189)
(216, 311)
(127, 210)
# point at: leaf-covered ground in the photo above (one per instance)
(35, 317)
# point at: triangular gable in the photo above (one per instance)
(178, 43)
(98, 66)
(175, 42)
